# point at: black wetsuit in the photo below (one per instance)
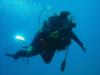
(46, 46)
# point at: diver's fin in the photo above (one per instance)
(63, 65)
(12, 56)
(64, 61)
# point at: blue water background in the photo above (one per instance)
(20, 17)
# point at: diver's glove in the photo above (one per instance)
(83, 48)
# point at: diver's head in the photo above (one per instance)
(67, 15)
(64, 14)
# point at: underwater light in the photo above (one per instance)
(21, 38)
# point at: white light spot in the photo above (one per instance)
(18, 37)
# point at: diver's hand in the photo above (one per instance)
(83, 48)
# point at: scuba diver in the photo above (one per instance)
(55, 35)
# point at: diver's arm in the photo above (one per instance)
(76, 39)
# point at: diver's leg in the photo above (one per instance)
(47, 56)
(18, 54)
(23, 53)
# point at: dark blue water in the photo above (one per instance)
(20, 17)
